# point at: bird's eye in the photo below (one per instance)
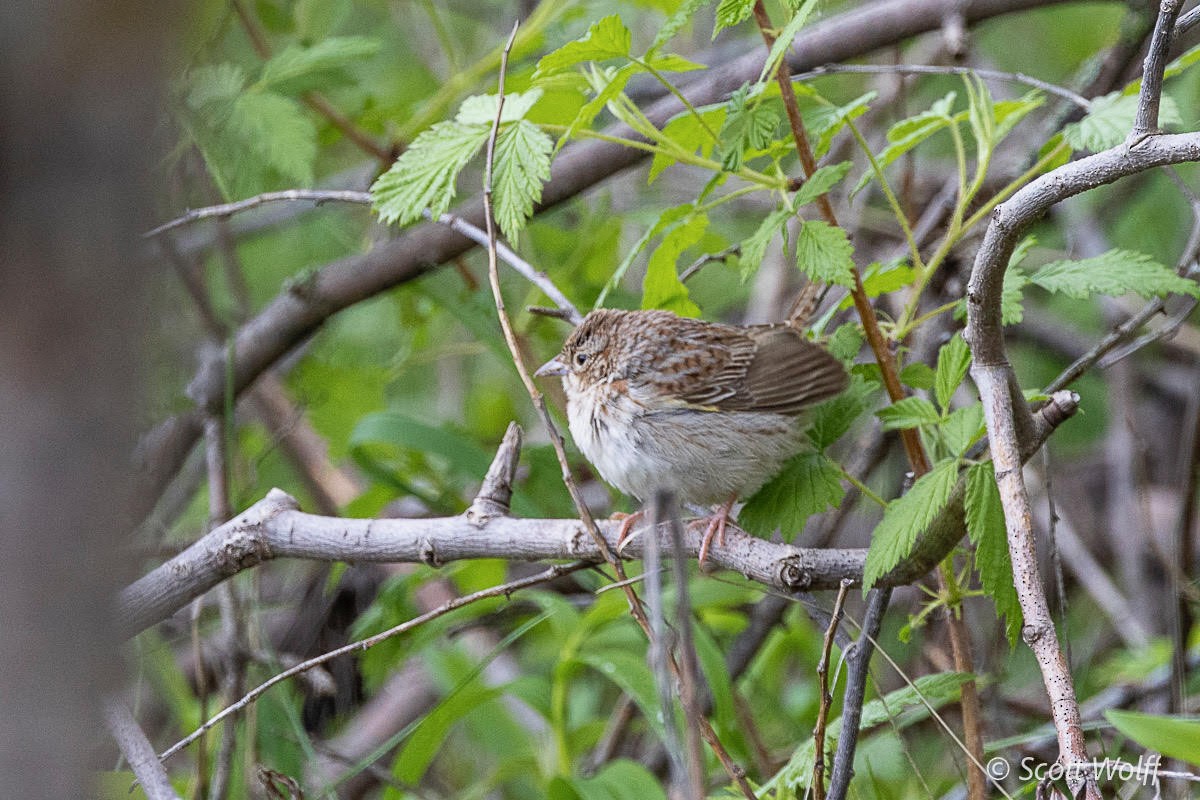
(581, 358)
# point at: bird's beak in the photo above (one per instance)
(554, 366)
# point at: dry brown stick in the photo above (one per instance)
(504, 589)
(826, 697)
(736, 773)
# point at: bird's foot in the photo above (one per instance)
(625, 532)
(715, 529)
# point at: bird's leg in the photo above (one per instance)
(627, 523)
(716, 527)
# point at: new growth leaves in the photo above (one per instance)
(426, 174)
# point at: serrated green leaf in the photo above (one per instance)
(785, 38)
(909, 412)
(917, 375)
(1110, 119)
(212, 90)
(662, 287)
(749, 125)
(611, 84)
(820, 182)
(808, 484)
(907, 134)
(831, 419)
(953, 361)
(1115, 273)
(880, 279)
(962, 428)
(1008, 113)
(824, 253)
(522, 166)
(688, 132)
(607, 38)
(730, 13)
(674, 23)
(906, 518)
(846, 341)
(1172, 737)
(424, 176)
(985, 528)
(278, 129)
(825, 121)
(299, 69)
(480, 109)
(1012, 309)
(754, 247)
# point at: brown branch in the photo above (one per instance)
(226, 210)
(302, 308)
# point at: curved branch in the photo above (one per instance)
(305, 305)
(274, 527)
(999, 390)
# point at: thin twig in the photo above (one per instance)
(825, 696)
(226, 210)
(689, 668)
(1145, 121)
(928, 69)
(138, 752)
(533, 275)
(735, 772)
(504, 589)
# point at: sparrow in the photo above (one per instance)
(707, 411)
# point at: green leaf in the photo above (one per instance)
(424, 176)
(1012, 310)
(630, 673)
(846, 341)
(909, 412)
(480, 109)
(901, 708)
(661, 287)
(673, 63)
(749, 125)
(276, 128)
(1110, 119)
(785, 38)
(611, 83)
(425, 742)
(686, 131)
(1189, 58)
(316, 19)
(1008, 113)
(1173, 737)
(907, 134)
(962, 428)
(299, 69)
(808, 484)
(825, 121)
(1115, 273)
(883, 278)
(953, 361)
(820, 182)
(754, 247)
(832, 418)
(607, 38)
(730, 13)
(616, 780)
(522, 166)
(906, 518)
(211, 90)
(985, 527)
(675, 23)
(917, 375)
(825, 254)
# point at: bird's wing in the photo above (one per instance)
(760, 368)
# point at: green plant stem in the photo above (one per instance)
(897, 209)
(863, 488)
(670, 87)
